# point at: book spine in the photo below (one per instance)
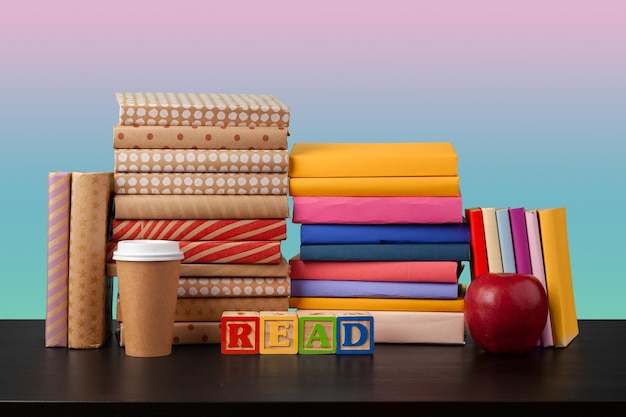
(189, 287)
(520, 240)
(232, 229)
(373, 289)
(190, 333)
(377, 210)
(199, 137)
(376, 187)
(188, 207)
(478, 248)
(429, 327)
(200, 161)
(200, 109)
(203, 184)
(381, 233)
(506, 240)
(88, 321)
(537, 268)
(556, 259)
(59, 193)
(386, 252)
(492, 239)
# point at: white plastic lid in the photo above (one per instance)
(147, 250)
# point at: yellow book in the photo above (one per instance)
(375, 187)
(553, 228)
(382, 304)
(423, 159)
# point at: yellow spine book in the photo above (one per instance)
(556, 258)
(375, 187)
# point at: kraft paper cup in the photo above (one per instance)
(148, 272)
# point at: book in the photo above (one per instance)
(375, 186)
(201, 183)
(89, 296)
(537, 268)
(189, 207)
(492, 239)
(199, 137)
(189, 333)
(211, 308)
(517, 215)
(386, 252)
(377, 210)
(478, 248)
(201, 109)
(506, 240)
(58, 237)
(383, 304)
(423, 159)
(373, 289)
(200, 161)
(280, 269)
(200, 229)
(384, 233)
(424, 327)
(396, 271)
(233, 252)
(190, 287)
(556, 259)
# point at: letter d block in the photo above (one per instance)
(316, 332)
(278, 332)
(240, 332)
(355, 333)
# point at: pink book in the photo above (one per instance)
(405, 271)
(536, 259)
(377, 210)
(517, 216)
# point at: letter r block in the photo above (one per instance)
(278, 332)
(355, 333)
(240, 332)
(316, 332)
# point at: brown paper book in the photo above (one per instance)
(201, 207)
(190, 333)
(89, 318)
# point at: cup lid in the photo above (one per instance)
(147, 250)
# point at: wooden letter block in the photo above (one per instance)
(278, 332)
(355, 333)
(316, 332)
(240, 332)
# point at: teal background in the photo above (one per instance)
(532, 95)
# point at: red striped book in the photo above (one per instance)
(194, 230)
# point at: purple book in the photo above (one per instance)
(517, 216)
(373, 289)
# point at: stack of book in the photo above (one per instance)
(381, 230)
(211, 172)
(534, 242)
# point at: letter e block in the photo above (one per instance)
(355, 333)
(240, 332)
(278, 332)
(316, 332)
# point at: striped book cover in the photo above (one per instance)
(202, 229)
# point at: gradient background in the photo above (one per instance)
(531, 93)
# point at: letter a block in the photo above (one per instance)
(316, 332)
(240, 332)
(355, 333)
(278, 332)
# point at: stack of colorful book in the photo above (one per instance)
(534, 242)
(209, 171)
(382, 230)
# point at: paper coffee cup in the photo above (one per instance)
(148, 273)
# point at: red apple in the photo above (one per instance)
(505, 312)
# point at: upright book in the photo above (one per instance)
(478, 248)
(519, 233)
(506, 240)
(556, 259)
(492, 239)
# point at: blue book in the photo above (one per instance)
(384, 233)
(373, 289)
(506, 240)
(387, 252)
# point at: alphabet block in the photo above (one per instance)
(355, 333)
(240, 332)
(278, 332)
(316, 332)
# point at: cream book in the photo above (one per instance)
(492, 239)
